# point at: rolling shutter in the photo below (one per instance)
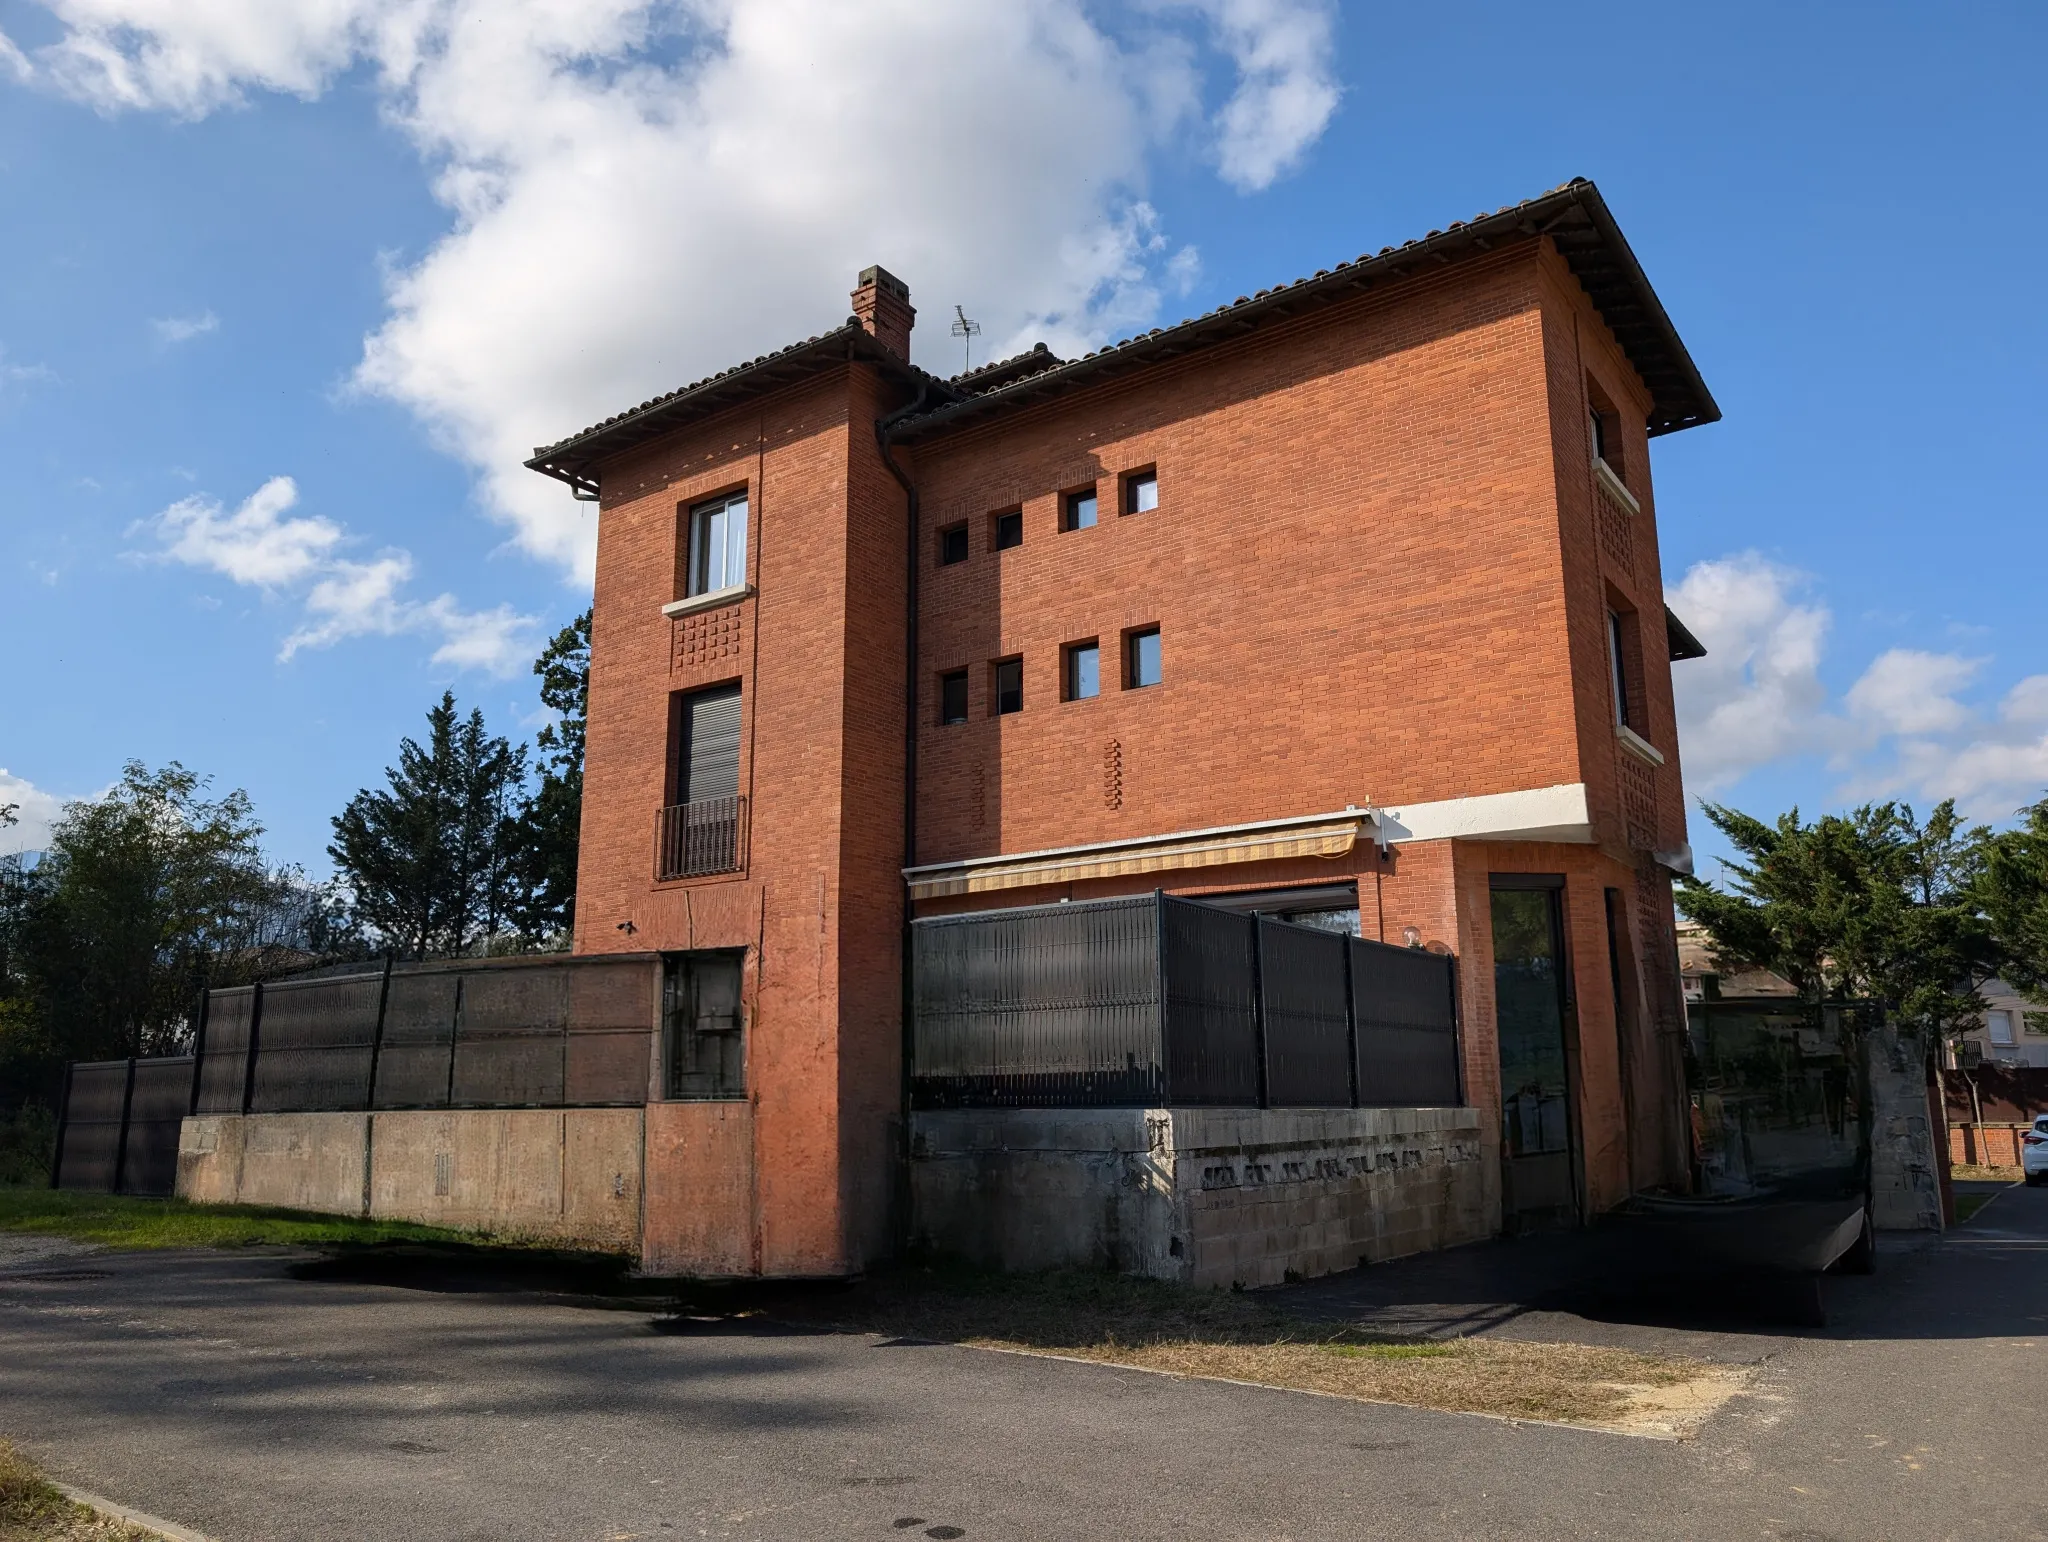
(711, 744)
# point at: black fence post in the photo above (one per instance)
(1159, 966)
(199, 1044)
(255, 1034)
(1259, 1005)
(1457, 1034)
(454, 1028)
(377, 1034)
(1351, 1026)
(121, 1144)
(63, 1122)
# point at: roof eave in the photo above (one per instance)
(1548, 215)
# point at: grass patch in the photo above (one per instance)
(1240, 1337)
(129, 1221)
(1968, 1205)
(32, 1510)
(1966, 1172)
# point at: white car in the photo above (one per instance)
(2034, 1151)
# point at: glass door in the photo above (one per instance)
(1533, 1011)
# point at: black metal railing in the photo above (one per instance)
(692, 840)
(1164, 1002)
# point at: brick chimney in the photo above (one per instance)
(881, 303)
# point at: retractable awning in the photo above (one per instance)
(1319, 835)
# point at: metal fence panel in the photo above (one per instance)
(1303, 986)
(1212, 1029)
(1041, 1007)
(611, 1014)
(226, 1052)
(419, 1034)
(511, 1038)
(163, 1096)
(314, 1042)
(89, 1154)
(1404, 1003)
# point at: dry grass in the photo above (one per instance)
(1238, 1337)
(31, 1510)
(1965, 1172)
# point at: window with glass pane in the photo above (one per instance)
(953, 697)
(702, 1029)
(2000, 1024)
(718, 545)
(1618, 669)
(1141, 665)
(1009, 530)
(1141, 492)
(1078, 512)
(952, 545)
(1084, 671)
(1009, 683)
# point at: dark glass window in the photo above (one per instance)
(1141, 658)
(1009, 683)
(702, 1037)
(1009, 530)
(1599, 437)
(953, 697)
(1077, 512)
(718, 545)
(1141, 492)
(952, 545)
(1617, 665)
(1084, 671)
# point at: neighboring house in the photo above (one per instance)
(1344, 600)
(1708, 975)
(2013, 1032)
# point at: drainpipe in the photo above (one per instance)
(884, 427)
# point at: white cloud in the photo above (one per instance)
(1902, 729)
(1286, 91)
(35, 812)
(182, 329)
(1906, 691)
(643, 192)
(1757, 696)
(342, 597)
(253, 545)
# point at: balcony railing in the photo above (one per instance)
(695, 839)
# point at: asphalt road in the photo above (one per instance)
(215, 1390)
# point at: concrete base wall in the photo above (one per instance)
(1202, 1196)
(568, 1175)
(1904, 1179)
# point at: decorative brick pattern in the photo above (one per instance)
(1113, 774)
(1638, 801)
(1617, 532)
(707, 637)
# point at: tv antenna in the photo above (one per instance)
(967, 331)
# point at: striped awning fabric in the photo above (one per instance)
(1328, 835)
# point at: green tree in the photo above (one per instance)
(552, 820)
(2013, 890)
(434, 859)
(142, 895)
(1873, 904)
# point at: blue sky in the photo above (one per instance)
(251, 243)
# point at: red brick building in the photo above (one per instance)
(1345, 597)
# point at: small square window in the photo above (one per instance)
(1141, 492)
(952, 545)
(1009, 686)
(1009, 530)
(1141, 658)
(1077, 510)
(953, 696)
(1084, 670)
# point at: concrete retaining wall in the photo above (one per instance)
(569, 1175)
(1904, 1179)
(1203, 1196)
